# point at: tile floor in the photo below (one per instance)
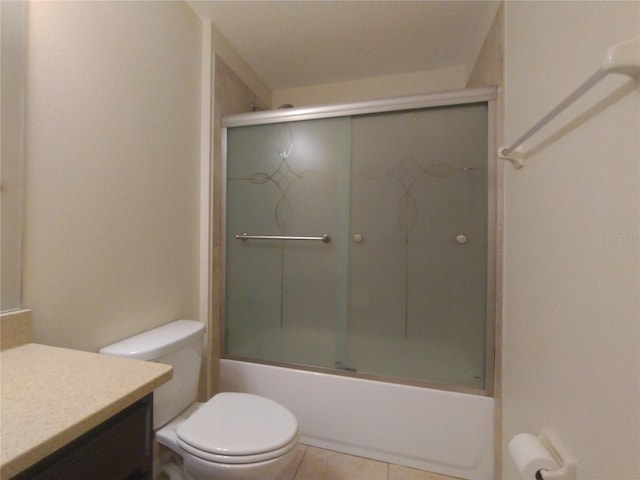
(313, 463)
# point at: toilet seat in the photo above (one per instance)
(238, 428)
(238, 459)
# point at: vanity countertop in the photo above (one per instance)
(50, 396)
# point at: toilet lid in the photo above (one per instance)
(241, 424)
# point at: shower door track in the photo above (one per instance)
(438, 99)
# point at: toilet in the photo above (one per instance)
(231, 436)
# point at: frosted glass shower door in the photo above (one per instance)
(284, 298)
(400, 291)
(418, 258)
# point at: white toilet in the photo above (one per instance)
(233, 435)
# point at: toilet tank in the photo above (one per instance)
(178, 344)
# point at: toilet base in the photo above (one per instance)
(168, 465)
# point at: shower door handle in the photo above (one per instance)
(243, 236)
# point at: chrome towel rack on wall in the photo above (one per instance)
(623, 58)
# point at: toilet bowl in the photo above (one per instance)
(233, 435)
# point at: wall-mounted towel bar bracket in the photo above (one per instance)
(322, 238)
(623, 58)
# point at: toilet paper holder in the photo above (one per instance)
(568, 464)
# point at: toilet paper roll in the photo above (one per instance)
(530, 455)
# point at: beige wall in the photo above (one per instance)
(112, 188)
(572, 239)
(373, 88)
(489, 67)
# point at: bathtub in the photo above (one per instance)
(443, 432)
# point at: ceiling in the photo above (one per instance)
(298, 43)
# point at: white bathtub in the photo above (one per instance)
(442, 432)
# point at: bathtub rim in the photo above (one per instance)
(409, 382)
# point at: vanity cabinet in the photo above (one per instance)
(118, 449)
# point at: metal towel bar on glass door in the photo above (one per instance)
(243, 236)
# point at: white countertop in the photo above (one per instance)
(50, 396)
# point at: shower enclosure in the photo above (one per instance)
(359, 239)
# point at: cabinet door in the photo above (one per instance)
(118, 449)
